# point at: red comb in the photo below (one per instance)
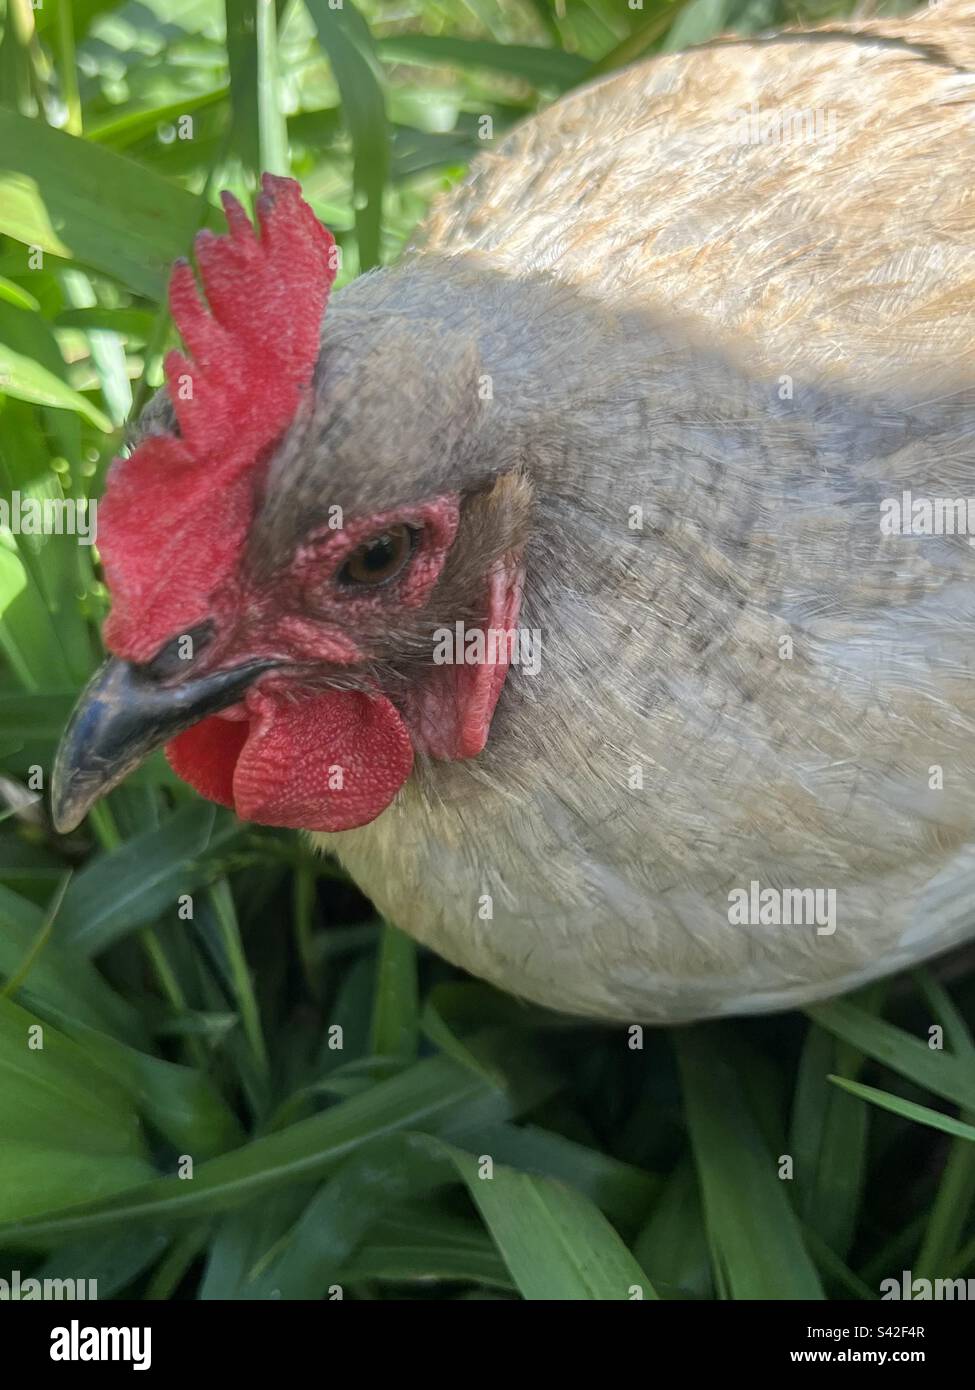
(175, 514)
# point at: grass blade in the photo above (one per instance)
(757, 1242)
(828, 1141)
(76, 200)
(396, 1009)
(948, 1219)
(428, 1095)
(908, 1109)
(272, 126)
(936, 1071)
(543, 67)
(555, 1242)
(27, 380)
(129, 888)
(345, 41)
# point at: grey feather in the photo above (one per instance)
(756, 344)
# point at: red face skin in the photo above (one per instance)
(174, 524)
(293, 753)
(252, 621)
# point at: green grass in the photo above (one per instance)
(220, 1076)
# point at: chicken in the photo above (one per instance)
(676, 388)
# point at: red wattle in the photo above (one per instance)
(206, 755)
(329, 760)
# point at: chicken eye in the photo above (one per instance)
(380, 558)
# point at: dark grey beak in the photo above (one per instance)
(121, 717)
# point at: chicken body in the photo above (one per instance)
(724, 304)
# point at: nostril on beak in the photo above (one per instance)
(122, 716)
(178, 655)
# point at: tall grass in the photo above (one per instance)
(220, 1075)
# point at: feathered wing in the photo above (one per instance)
(802, 196)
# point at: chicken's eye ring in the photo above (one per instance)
(380, 559)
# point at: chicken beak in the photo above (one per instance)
(121, 717)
